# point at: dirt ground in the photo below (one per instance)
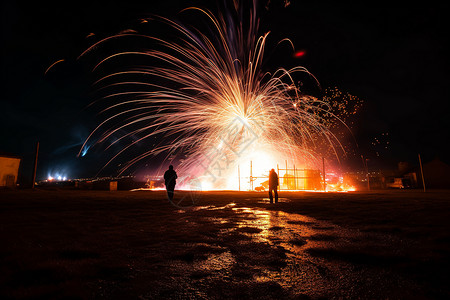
(136, 245)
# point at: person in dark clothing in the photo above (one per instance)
(273, 185)
(170, 180)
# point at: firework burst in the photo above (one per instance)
(206, 96)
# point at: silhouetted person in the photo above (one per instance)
(273, 185)
(170, 179)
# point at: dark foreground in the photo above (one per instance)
(135, 245)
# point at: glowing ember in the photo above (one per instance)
(299, 53)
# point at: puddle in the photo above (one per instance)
(212, 207)
(280, 200)
(303, 255)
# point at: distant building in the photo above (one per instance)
(436, 174)
(9, 170)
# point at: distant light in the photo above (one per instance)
(299, 53)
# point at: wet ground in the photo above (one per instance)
(384, 245)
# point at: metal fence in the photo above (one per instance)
(290, 179)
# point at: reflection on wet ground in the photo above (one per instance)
(94, 244)
(265, 253)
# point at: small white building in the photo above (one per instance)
(9, 170)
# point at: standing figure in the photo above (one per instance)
(170, 179)
(273, 185)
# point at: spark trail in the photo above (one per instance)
(206, 95)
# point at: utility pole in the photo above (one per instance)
(251, 176)
(35, 165)
(323, 169)
(239, 178)
(278, 173)
(287, 176)
(295, 179)
(421, 172)
(368, 177)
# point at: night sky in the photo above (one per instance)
(394, 58)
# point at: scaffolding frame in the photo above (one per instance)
(292, 172)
